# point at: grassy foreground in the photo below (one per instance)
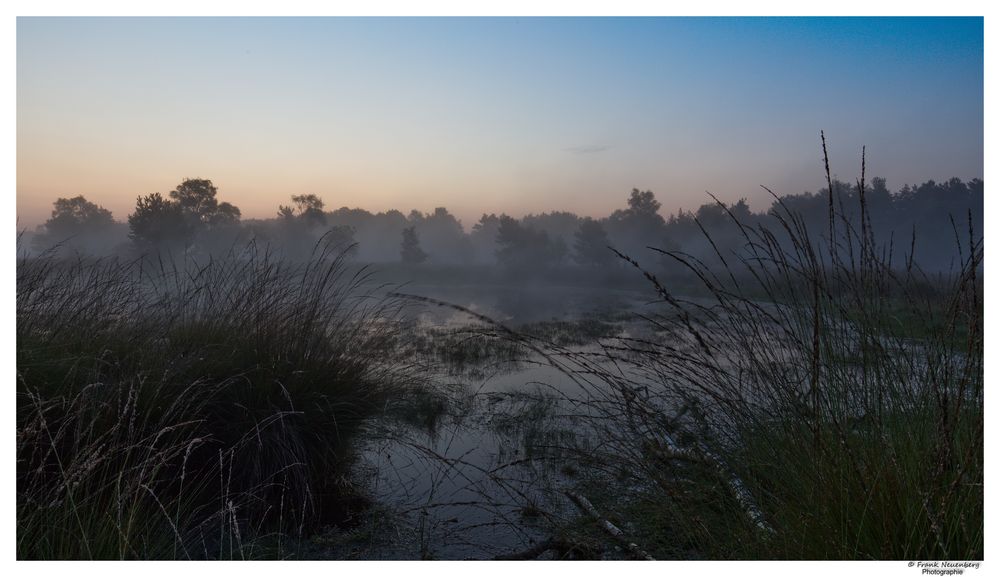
(822, 403)
(168, 409)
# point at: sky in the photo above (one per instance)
(515, 115)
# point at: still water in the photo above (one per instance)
(479, 472)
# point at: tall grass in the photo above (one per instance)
(174, 409)
(821, 402)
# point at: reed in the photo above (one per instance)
(173, 409)
(816, 401)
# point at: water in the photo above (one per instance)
(477, 481)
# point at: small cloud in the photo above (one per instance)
(588, 149)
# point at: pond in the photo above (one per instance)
(477, 468)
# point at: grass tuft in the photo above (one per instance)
(175, 409)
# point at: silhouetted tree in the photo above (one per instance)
(638, 226)
(484, 238)
(591, 245)
(196, 199)
(285, 213)
(301, 230)
(341, 238)
(510, 241)
(157, 222)
(310, 209)
(82, 225)
(76, 216)
(442, 235)
(559, 224)
(305, 202)
(410, 251)
(225, 215)
(644, 203)
(523, 247)
(377, 235)
(712, 216)
(192, 217)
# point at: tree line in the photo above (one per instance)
(922, 219)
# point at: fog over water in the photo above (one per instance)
(500, 288)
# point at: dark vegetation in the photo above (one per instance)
(830, 407)
(191, 220)
(194, 393)
(170, 409)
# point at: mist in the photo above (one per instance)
(916, 223)
(448, 289)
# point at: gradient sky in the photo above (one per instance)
(491, 114)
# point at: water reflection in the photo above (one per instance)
(483, 477)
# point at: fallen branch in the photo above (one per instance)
(607, 526)
(739, 490)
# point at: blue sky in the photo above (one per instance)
(487, 115)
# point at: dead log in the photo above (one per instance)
(607, 526)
